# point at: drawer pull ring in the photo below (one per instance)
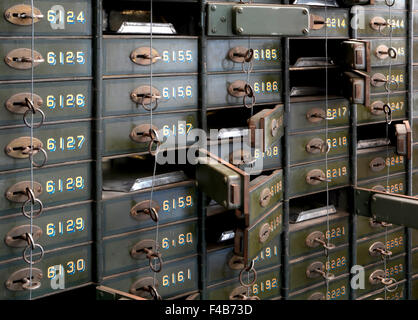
(378, 276)
(25, 150)
(32, 200)
(390, 4)
(316, 269)
(249, 93)
(31, 108)
(32, 247)
(250, 268)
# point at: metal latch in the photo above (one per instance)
(146, 287)
(21, 59)
(146, 97)
(17, 237)
(404, 139)
(18, 103)
(317, 269)
(22, 280)
(21, 14)
(18, 193)
(145, 56)
(144, 210)
(316, 176)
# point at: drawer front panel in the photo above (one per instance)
(337, 265)
(176, 203)
(301, 233)
(176, 93)
(397, 18)
(336, 20)
(267, 88)
(59, 185)
(75, 263)
(62, 58)
(395, 243)
(64, 17)
(266, 287)
(337, 290)
(367, 226)
(374, 162)
(267, 54)
(376, 45)
(337, 173)
(61, 100)
(396, 293)
(123, 253)
(61, 143)
(398, 74)
(310, 115)
(397, 101)
(397, 184)
(177, 277)
(176, 55)
(170, 126)
(57, 227)
(308, 147)
(220, 261)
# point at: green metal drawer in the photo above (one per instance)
(310, 115)
(302, 235)
(367, 252)
(395, 268)
(379, 60)
(125, 212)
(53, 229)
(267, 87)
(223, 264)
(397, 101)
(336, 20)
(172, 54)
(312, 146)
(74, 263)
(267, 286)
(61, 58)
(177, 277)
(367, 226)
(225, 55)
(396, 293)
(337, 289)
(302, 272)
(60, 100)
(63, 17)
(125, 252)
(62, 143)
(374, 162)
(171, 127)
(69, 183)
(176, 93)
(337, 173)
(395, 184)
(415, 260)
(397, 18)
(398, 74)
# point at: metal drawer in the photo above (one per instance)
(337, 22)
(126, 96)
(225, 55)
(53, 229)
(178, 277)
(367, 226)
(337, 173)
(173, 54)
(373, 113)
(302, 270)
(312, 146)
(367, 248)
(60, 58)
(396, 293)
(128, 212)
(395, 268)
(267, 87)
(303, 235)
(308, 115)
(267, 287)
(69, 183)
(337, 289)
(223, 264)
(395, 184)
(125, 252)
(64, 17)
(171, 127)
(75, 263)
(372, 18)
(60, 100)
(62, 143)
(374, 162)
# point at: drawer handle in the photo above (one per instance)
(32, 247)
(377, 164)
(317, 145)
(145, 133)
(317, 269)
(242, 55)
(146, 96)
(242, 89)
(383, 52)
(21, 15)
(145, 286)
(240, 293)
(21, 59)
(316, 176)
(317, 296)
(379, 24)
(145, 209)
(147, 249)
(317, 238)
(20, 280)
(378, 108)
(144, 56)
(264, 233)
(316, 115)
(378, 248)
(18, 102)
(378, 276)
(265, 197)
(18, 236)
(248, 269)
(21, 148)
